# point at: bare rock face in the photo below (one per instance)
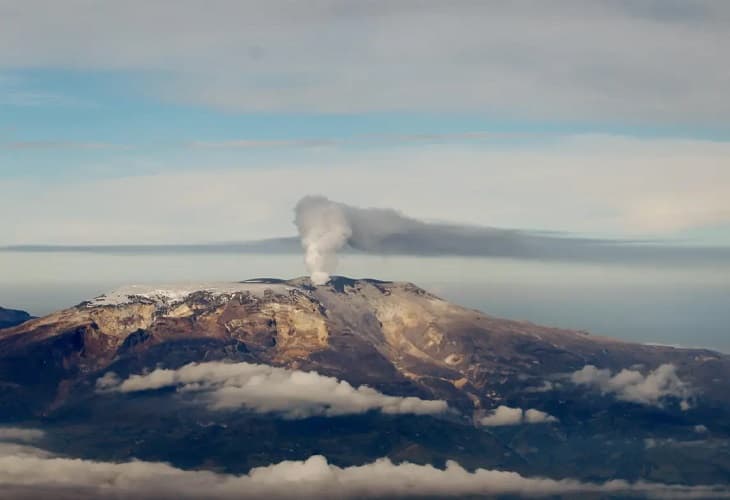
(395, 337)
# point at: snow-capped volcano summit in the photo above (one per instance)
(171, 294)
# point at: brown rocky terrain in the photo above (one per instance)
(393, 336)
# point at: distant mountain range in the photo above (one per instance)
(12, 317)
(443, 382)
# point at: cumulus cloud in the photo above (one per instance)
(28, 474)
(633, 386)
(533, 416)
(504, 415)
(264, 389)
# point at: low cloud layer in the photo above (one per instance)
(33, 473)
(265, 389)
(504, 415)
(633, 386)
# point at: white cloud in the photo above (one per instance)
(264, 388)
(504, 415)
(533, 416)
(567, 60)
(108, 382)
(633, 386)
(586, 184)
(20, 434)
(39, 473)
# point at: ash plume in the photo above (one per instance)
(327, 227)
(324, 229)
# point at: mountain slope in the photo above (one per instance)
(394, 337)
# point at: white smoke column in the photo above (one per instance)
(323, 229)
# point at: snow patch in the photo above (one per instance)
(176, 293)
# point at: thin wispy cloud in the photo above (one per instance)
(35, 145)
(289, 143)
(359, 140)
(18, 92)
(265, 144)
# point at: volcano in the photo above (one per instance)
(604, 408)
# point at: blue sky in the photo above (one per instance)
(58, 123)
(596, 118)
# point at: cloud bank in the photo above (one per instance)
(504, 415)
(266, 389)
(33, 473)
(632, 386)
(609, 61)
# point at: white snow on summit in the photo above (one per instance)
(176, 293)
